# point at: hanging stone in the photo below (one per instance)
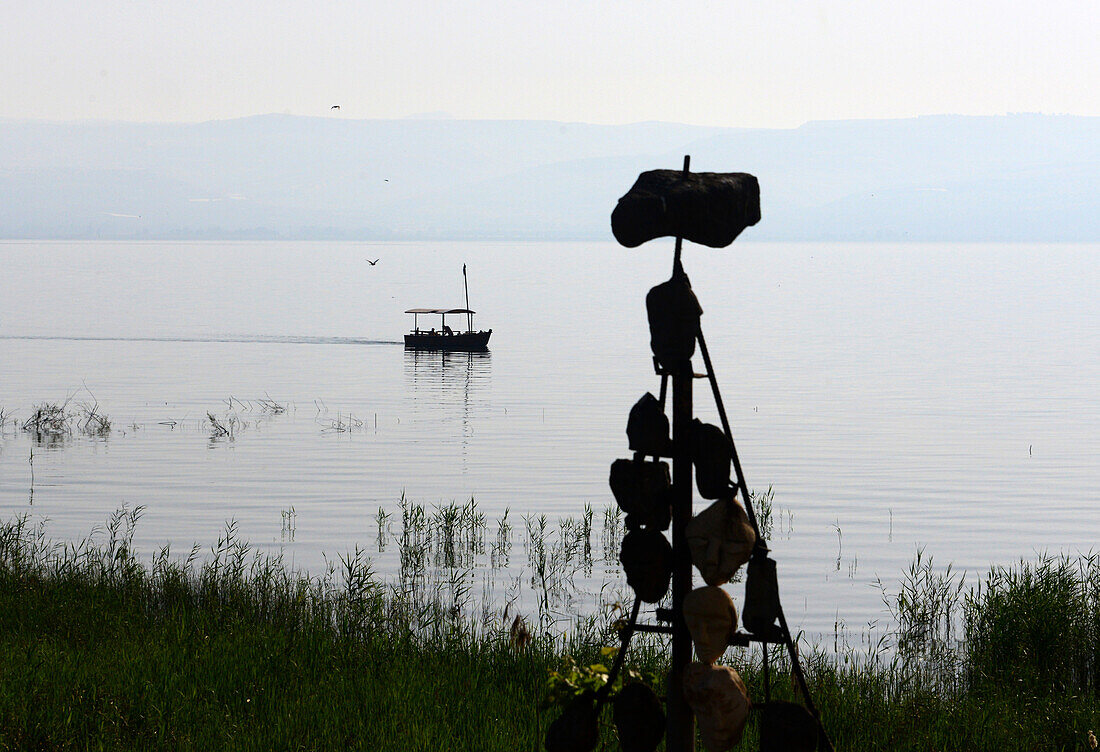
(787, 727)
(712, 454)
(647, 428)
(721, 704)
(643, 491)
(721, 540)
(576, 729)
(709, 208)
(646, 557)
(674, 313)
(761, 598)
(639, 718)
(711, 618)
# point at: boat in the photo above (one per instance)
(446, 338)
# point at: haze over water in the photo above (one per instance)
(894, 396)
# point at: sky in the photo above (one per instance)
(766, 63)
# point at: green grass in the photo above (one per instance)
(98, 651)
(101, 653)
(84, 669)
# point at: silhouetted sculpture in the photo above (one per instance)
(711, 209)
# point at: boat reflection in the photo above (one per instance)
(449, 386)
(452, 367)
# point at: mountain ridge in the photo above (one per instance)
(934, 177)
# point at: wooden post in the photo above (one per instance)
(681, 722)
(680, 734)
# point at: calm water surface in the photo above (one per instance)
(893, 396)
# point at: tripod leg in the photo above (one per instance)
(824, 744)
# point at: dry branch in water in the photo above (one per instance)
(49, 420)
(93, 422)
(217, 428)
(269, 405)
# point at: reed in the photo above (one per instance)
(5, 419)
(238, 653)
(1037, 626)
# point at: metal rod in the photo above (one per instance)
(676, 267)
(767, 674)
(466, 286)
(624, 643)
(796, 666)
(741, 484)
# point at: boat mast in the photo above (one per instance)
(466, 285)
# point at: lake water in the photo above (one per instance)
(894, 396)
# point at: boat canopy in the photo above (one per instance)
(440, 310)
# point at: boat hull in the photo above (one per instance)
(457, 341)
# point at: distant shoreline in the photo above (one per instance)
(260, 238)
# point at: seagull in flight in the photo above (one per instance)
(372, 263)
(335, 107)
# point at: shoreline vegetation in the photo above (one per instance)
(232, 650)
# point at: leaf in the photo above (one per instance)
(608, 651)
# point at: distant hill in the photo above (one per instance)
(1016, 177)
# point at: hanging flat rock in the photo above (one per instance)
(642, 490)
(647, 428)
(709, 208)
(639, 718)
(712, 454)
(646, 557)
(577, 728)
(721, 540)
(761, 611)
(674, 313)
(711, 618)
(721, 704)
(787, 727)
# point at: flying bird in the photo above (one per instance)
(335, 107)
(372, 263)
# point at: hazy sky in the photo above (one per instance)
(767, 63)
